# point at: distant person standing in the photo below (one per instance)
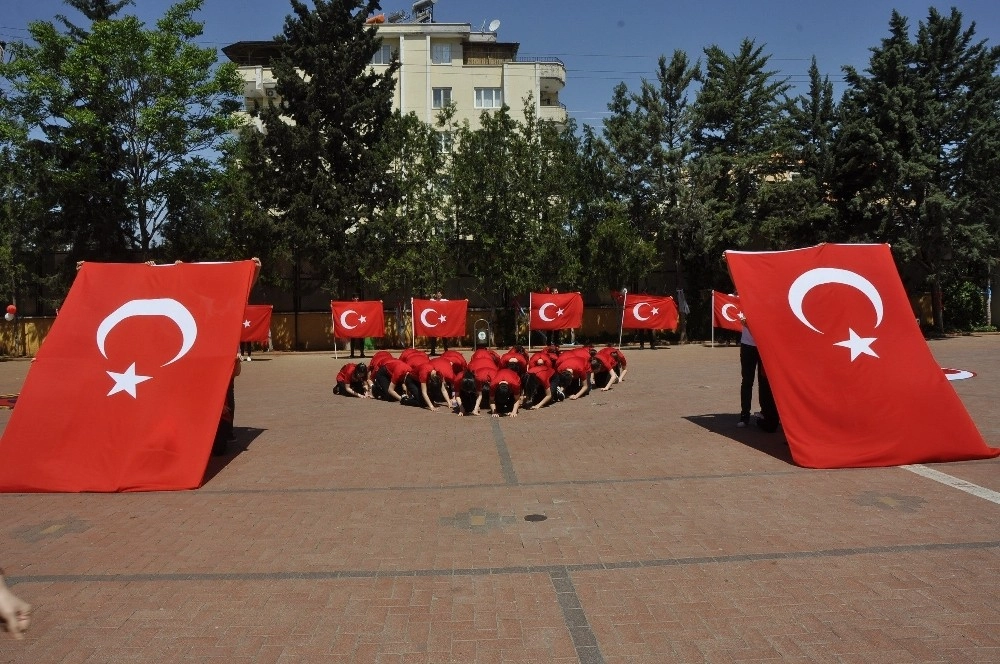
(444, 340)
(357, 343)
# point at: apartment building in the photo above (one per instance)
(441, 63)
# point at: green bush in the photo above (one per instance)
(964, 307)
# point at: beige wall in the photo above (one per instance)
(315, 327)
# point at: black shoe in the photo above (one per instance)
(363, 355)
(352, 356)
(764, 425)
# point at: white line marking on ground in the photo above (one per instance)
(961, 485)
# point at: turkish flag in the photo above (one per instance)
(127, 390)
(649, 312)
(854, 380)
(357, 319)
(726, 311)
(439, 318)
(256, 323)
(556, 311)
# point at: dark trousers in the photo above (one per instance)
(750, 365)
(357, 343)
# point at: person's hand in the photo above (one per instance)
(605, 389)
(572, 397)
(79, 264)
(494, 413)
(14, 611)
(475, 412)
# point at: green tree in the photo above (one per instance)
(741, 143)
(917, 155)
(126, 115)
(318, 167)
(410, 242)
(512, 185)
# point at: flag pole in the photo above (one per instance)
(413, 326)
(333, 329)
(529, 321)
(711, 321)
(621, 328)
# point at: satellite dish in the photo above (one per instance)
(494, 25)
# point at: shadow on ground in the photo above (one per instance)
(724, 424)
(244, 437)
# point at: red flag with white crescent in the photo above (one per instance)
(439, 318)
(726, 311)
(853, 378)
(357, 319)
(649, 312)
(127, 390)
(556, 311)
(256, 323)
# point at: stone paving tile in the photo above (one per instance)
(355, 531)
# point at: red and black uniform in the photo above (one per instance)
(504, 400)
(349, 376)
(574, 374)
(601, 366)
(378, 359)
(514, 361)
(392, 374)
(538, 383)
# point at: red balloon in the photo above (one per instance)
(11, 309)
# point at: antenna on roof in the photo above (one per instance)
(423, 11)
(396, 17)
(494, 25)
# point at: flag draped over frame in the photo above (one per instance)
(556, 311)
(439, 318)
(356, 319)
(853, 378)
(127, 390)
(256, 323)
(649, 312)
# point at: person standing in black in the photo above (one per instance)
(751, 365)
(357, 343)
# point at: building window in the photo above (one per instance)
(441, 97)
(488, 98)
(383, 56)
(441, 54)
(445, 141)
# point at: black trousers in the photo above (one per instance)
(750, 365)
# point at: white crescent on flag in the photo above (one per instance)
(725, 314)
(165, 307)
(541, 312)
(423, 317)
(635, 311)
(343, 319)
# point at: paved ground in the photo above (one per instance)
(359, 531)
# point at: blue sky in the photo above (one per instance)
(604, 43)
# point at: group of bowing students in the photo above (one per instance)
(504, 384)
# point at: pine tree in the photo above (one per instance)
(318, 168)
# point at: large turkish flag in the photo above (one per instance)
(556, 311)
(439, 318)
(357, 319)
(854, 380)
(649, 312)
(256, 323)
(726, 311)
(127, 389)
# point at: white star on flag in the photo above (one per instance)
(559, 312)
(655, 311)
(443, 318)
(126, 382)
(361, 319)
(246, 323)
(858, 345)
